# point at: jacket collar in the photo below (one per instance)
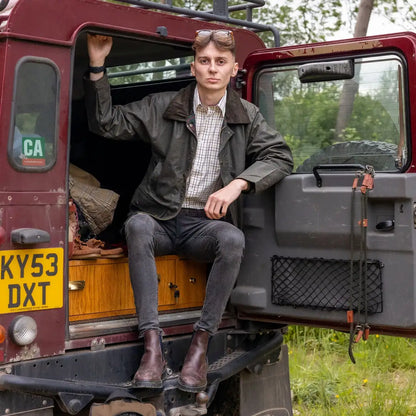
(181, 107)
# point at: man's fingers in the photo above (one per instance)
(215, 208)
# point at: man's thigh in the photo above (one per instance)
(143, 230)
(204, 239)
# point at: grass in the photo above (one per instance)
(325, 382)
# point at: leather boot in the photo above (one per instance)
(152, 364)
(193, 377)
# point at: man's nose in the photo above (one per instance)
(212, 66)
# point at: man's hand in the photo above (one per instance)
(218, 202)
(99, 47)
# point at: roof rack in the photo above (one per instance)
(220, 13)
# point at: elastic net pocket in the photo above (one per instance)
(326, 284)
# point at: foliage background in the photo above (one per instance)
(325, 382)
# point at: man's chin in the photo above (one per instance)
(216, 86)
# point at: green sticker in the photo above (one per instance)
(33, 147)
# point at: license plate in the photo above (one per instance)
(31, 279)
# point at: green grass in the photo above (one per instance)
(325, 382)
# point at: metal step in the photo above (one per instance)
(231, 364)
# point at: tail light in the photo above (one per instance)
(23, 330)
(3, 334)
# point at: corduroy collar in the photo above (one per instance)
(181, 107)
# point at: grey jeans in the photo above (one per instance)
(193, 237)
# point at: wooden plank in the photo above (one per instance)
(191, 282)
(107, 289)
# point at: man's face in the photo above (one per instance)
(213, 69)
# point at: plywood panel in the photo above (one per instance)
(106, 292)
(191, 282)
(103, 286)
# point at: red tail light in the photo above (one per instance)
(2, 334)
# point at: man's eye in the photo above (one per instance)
(221, 62)
(203, 61)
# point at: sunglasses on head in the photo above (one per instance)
(215, 34)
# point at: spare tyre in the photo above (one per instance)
(381, 155)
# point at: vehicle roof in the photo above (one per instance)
(50, 27)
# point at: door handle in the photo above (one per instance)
(385, 226)
(75, 285)
(340, 167)
(30, 236)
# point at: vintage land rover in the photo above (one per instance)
(332, 245)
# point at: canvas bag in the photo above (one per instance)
(96, 204)
(122, 405)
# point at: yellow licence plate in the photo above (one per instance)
(31, 279)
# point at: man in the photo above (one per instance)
(208, 146)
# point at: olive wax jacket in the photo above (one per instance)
(249, 148)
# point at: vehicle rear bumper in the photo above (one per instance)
(78, 378)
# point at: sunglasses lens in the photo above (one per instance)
(215, 33)
(224, 32)
(203, 33)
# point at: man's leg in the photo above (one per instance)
(145, 239)
(222, 244)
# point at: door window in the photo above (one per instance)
(33, 133)
(150, 71)
(341, 112)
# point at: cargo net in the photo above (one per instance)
(325, 284)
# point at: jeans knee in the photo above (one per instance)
(233, 243)
(138, 227)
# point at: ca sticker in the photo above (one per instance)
(33, 149)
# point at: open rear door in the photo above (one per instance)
(33, 198)
(327, 240)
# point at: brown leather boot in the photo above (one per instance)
(152, 364)
(193, 377)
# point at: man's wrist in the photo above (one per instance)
(96, 69)
(243, 184)
(246, 186)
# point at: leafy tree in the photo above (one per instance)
(305, 21)
(307, 119)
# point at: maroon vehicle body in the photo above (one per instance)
(69, 364)
(39, 200)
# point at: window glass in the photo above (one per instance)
(358, 119)
(33, 136)
(150, 71)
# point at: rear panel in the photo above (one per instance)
(33, 194)
(334, 247)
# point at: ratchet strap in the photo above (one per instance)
(359, 329)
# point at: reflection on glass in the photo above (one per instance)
(356, 121)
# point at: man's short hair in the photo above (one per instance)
(222, 39)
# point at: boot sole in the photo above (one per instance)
(147, 384)
(190, 389)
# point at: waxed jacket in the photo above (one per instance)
(249, 148)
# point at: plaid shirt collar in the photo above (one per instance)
(220, 104)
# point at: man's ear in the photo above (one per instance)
(235, 69)
(193, 68)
